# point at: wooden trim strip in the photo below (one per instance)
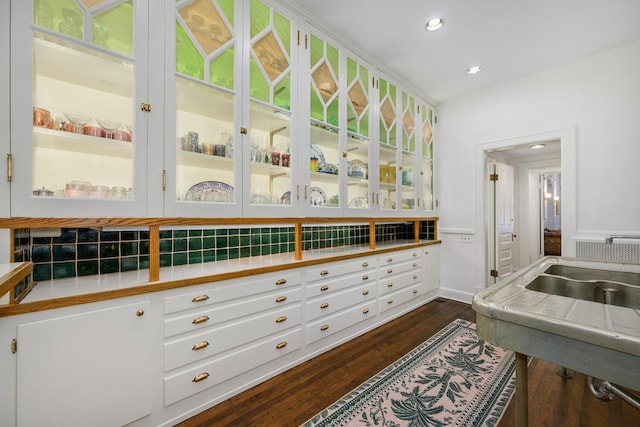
(298, 241)
(13, 277)
(30, 307)
(416, 230)
(154, 253)
(372, 234)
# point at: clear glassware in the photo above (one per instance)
(77, 120)
(108, 126)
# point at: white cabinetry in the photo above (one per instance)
(235, 326)
(400, 278)
(88, 367)
(431, 268)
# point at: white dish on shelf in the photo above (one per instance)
(358, 202)
(317, 197)
(210, 191)
(317, 153)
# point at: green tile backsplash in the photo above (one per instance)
(83, 252)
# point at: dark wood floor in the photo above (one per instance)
(294, 396)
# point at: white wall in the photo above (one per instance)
(598, 96)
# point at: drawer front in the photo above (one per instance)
(335, 269)
(395, 257)
(389, 270)
(395, 282)
(399, 297)
(330, 325)
(212, 341)
(219, 313)
(222, 291)
(324, 287)
(330, 303)
(192, 381)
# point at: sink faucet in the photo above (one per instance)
(609, 239)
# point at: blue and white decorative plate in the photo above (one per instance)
(317, 197)
(317, 153)
(200, 191)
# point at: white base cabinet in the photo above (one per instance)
(160, 358)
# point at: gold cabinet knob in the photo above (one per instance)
(389, 271)
(414, 254)
(140, 313)
(415, 264)
(390, 301)
(415, 291)
(365, 277)
(389, 259)
(365, 292)
(415, 276)
(324, 272)
(200, 298)
(324, 305)
(324, 288)
(365, 311)
(324, 327)
(280, 345)
(390, 285)
(281, 281)
(365, 264)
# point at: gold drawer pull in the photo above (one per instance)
(365, 311)
(200, 319)
(415, 254)
(389, 259)
(200, 346)
(390, 301)
(140, 313)
(365, 292)
(200, 377)
(281, 281)
(390, 285)
(282, 344)
(325, 305)
(365, 264)
(365, 277)
(389, 271)
(200, 298)
(324, 327)
(415, 291)
(281, 299)
(415, 276)
(324, 288)
(324, 272)
(415, 264)
(281, 319)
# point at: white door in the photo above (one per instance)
(503, 181)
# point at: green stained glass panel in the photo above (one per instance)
(332, 112)
(317, 108)
(258, 85)
(260, 17)
(383, 132)
(404, 100)
(282, 93)
(383, 88)
(317, 50)
(352, 119)
(392, 93)
(412, 103)
(221, 69)
(227, 7)
(113, 29)
(352, 70)
(283, 28)
(334, 60)
(364, 124)
(63, 16)
(188, 59)
(392, 135)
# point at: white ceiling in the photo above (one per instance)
(508, 38)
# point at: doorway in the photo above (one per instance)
(531, 169)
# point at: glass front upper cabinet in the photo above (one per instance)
(407, 169)
(325, 160)
(425, 136)
(388, 122)
(78, 140)
(205, 59)
(270, 154)
(360, 196)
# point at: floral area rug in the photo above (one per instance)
(452, 379)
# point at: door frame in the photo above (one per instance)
(567, 138)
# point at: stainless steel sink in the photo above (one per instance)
(581, 273)
(602, 291)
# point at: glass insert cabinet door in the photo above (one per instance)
(271, 152)
(425, 136)
(408, 167)
(360, 196)
(78, 136)
(204, 175)
(388, 127)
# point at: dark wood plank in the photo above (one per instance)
(294, 396)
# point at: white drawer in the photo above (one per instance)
(330, 325)
(219, 313)
(187, 383)
(334, 269)
(336, 301)
(395, 282)
(215, 340)
(403, 267)
(394, 257)
(399, 297)
(223, 291)
(324, 287)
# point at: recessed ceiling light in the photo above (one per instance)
(474, 69)
(537, 146)
(434, 24)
